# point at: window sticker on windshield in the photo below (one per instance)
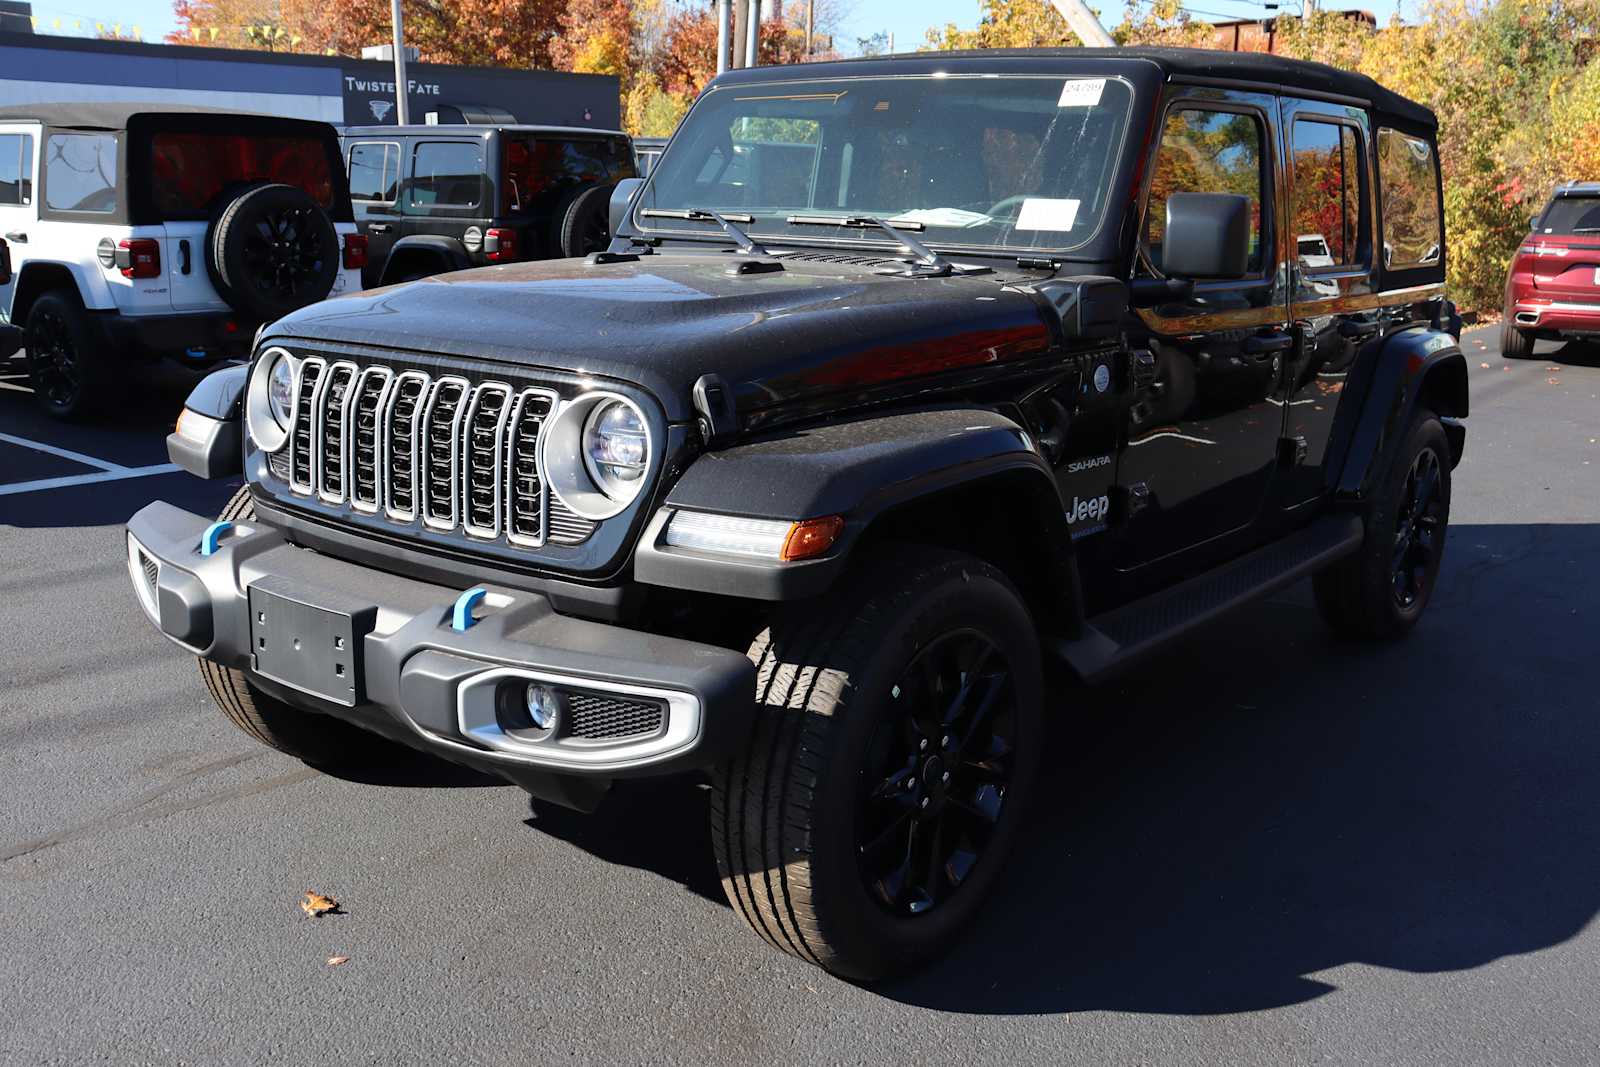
(1082, 92)
(1041, 213)
(953, 217)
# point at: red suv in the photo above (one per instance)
(1553, 289)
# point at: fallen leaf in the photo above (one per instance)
(1553, 368)
(1553, 381)
(316, 904)
(1485, 366)
(334, 961)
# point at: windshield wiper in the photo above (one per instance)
(925, 256)
(694, 214)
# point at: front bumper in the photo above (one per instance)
(413, 676)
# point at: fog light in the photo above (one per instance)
(544, 706)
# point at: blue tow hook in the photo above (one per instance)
(212, 538)
(461, 618)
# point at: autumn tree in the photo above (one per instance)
(1008, 24)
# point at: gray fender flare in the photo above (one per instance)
(862, 471)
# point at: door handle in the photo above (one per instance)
(183, 257)
(17, 238)
(1351, 330)
(379, 227)
(1260, 346)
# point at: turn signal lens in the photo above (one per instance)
(811, 538)
(774, 539)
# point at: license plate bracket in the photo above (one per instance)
(310, 640)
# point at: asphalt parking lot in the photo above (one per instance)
(1268, 848)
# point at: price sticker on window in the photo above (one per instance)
(1043, 213)
(1082, 92)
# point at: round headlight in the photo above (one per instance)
(614, 449)
(269, 399)
(280, 392)
(595, 454)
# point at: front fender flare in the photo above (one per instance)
(1415, 366)
(858, 470)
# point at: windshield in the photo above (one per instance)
(982, 163)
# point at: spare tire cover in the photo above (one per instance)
(271, 250)
(586, 224)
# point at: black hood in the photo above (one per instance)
(662, 321)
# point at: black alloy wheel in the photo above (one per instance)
(284, 256)
(71, 373)
(1382, 590)
(1417, 528)
(54, 362)
(937, 773)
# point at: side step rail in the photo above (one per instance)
(1113, 641)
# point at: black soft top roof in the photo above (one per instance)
(1179, 64)
(114, 115)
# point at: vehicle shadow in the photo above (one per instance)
(1573, 354)
(1266, 803)
(655, 824)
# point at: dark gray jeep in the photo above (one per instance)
(900, 378)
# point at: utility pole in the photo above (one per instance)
(741, 15)
(402, 109)
(724, 33)
(1085, 24)
(752, 47)
(811, 24)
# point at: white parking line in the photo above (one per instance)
(18, 388)
(84, 479)
(108, 472)
(64, 453)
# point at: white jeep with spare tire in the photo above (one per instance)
(138, 232)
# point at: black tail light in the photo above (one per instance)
(5, 263)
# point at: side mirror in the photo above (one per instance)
(1533, 222)
(621, 197)
(1207, 236)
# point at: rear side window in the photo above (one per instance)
(448, 174)
(192, 171)
(1204, 151)
(16, 168)
(541, 172)
(1327, 194)
(1571, 214)
(1408, 185)
(80, 172)
(374, 171)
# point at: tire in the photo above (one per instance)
(586, 224)
(71, 373)
(319, 740)
(1380, 592)
(270, 250)
(806, 850)
(1515, 343)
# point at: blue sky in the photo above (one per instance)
(907, 21)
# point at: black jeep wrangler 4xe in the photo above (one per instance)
(900, 376)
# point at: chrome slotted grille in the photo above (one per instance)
(440, 459)
(406, 446)
(333, 417)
